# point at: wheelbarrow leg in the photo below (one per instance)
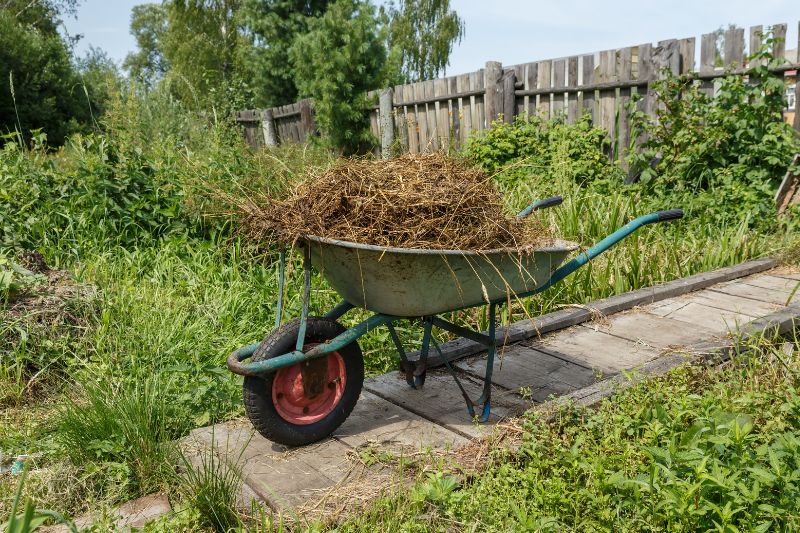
(485, 398)
(421, 369)
(406, 365)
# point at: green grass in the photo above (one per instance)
(96, 401)
(699, 449)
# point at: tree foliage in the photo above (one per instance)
(39, 87)
(340, 58)
(421, 37)
(272, 26)
(202, 45)
(148, 26)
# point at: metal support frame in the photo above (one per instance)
(416, 371)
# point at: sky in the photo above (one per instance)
(518, 31)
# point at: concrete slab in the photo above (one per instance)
(718, 321)
(773, 295)
(737, 304)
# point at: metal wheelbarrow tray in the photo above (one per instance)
(306, 376)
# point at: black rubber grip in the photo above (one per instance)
(549, 202)
(670, 214)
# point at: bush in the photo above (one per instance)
(536, 149)
(722, 156)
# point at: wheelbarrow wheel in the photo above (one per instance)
(279, 405)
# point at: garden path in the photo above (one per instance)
(580, 353)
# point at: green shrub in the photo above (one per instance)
(533, 149)
(722, 156)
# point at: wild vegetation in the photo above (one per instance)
(98, 392)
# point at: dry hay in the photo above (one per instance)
(426, 201)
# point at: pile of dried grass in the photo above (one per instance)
(414, 201)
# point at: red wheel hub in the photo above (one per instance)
(289, 396)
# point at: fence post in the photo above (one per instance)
(493, 85)
(386, 122)
(306, 120)
(268, 127)
(797, 83)
(509, 98)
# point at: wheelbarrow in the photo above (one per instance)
(306, 376)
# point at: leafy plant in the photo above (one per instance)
(536, 150)
(722, 155)
(15, 280)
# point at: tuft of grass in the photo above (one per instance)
(210, 486)
(129, 424)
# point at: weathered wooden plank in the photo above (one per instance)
(733, 51)
(422, 118)
(762, 294)
(780, 322)
(441, 402)
(536, 373)
(440, 89)
(572, 98)
(624, 73)
(411, 119)
(587, 78)
(692, 313)
(480, 106)
(543, 80)
(279, 477)
(429, 90)
(465, 108)
(651, 330)
(378, 421)
(478, 111)
(769, 281)
(708, 53)
(608, 99)
(559, 82)
(731, 302)
(779, 47)
(509, 99)
(454, 113)
(531, 82)
(686, 50)
(756, 36)
(519, 102)
(596, 349)
(493, 97)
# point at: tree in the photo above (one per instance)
(202, 45)
(39, 87)
(421, 37)
(341, 58)
(148, 26)
(272, 26)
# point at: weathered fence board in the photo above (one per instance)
(444, 113)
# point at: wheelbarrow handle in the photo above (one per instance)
(540, 204)
(583, 258)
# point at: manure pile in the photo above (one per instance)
(414, 201)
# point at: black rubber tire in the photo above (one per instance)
(257, 391)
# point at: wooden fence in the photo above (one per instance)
(434, 114)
